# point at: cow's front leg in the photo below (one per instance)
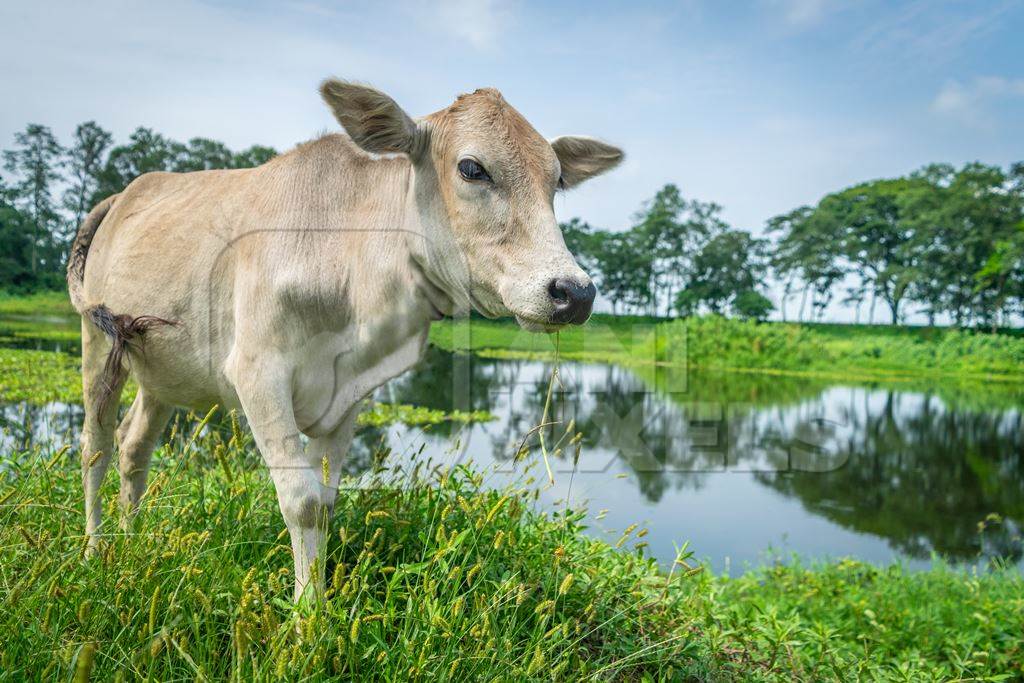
(329, 453)
(264, 391)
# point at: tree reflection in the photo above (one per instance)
(902, 466)
(922, 476)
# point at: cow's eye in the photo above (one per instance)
(471, 170)
(561, 183)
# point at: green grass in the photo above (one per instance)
(835, 351)
(56, 330)
(55, 303)
(442, 579)
(433, 575)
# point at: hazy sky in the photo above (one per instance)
(760, 106)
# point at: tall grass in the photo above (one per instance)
(434, 575)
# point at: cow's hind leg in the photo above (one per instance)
(101, 394)
(137, 437)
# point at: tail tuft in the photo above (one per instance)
(125, 332)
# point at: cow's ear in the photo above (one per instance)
(373, 120)
(583, 158)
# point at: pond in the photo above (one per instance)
(746, 467)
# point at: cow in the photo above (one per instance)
(292, 290)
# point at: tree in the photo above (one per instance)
(959, 218)
(582, 243)
(617, 262)
(671, 231)
(16, 236)
(84, 160)
(36, 231)
(752, 304)
(1004, 272)
(36, 161)
(257, 155)
(623, 270)
(725, 277)
(657, 225)
(808, 251)
(204, 154)
(875, 237)
(145, 152)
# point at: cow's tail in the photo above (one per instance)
(80, 250)
(124, 331)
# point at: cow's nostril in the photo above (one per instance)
(572, 301)
(557, 291)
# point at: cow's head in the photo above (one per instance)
(484, 186)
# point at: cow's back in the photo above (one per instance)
(159, 236)
(247, 252)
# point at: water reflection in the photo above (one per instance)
(916, 470)
(921, 475)
(734, 463)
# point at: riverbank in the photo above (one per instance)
(47, 369)
(442, 578)
(713, 343)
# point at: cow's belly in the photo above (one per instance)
(176, 369)
(333, 375)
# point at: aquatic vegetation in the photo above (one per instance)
(384, 414)
(42, 333)
(40, 377)
(433, 576)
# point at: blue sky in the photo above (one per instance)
(760, 106)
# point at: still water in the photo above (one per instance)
(745, 467)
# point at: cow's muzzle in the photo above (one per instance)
(572, 301)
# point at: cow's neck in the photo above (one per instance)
(429, 287)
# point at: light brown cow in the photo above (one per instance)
(292, 290)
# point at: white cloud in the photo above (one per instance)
(481, 22)
(804, 12)
(969, 102)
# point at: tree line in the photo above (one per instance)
(942, 241)
(48, 188)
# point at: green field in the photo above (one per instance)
(38, 304)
